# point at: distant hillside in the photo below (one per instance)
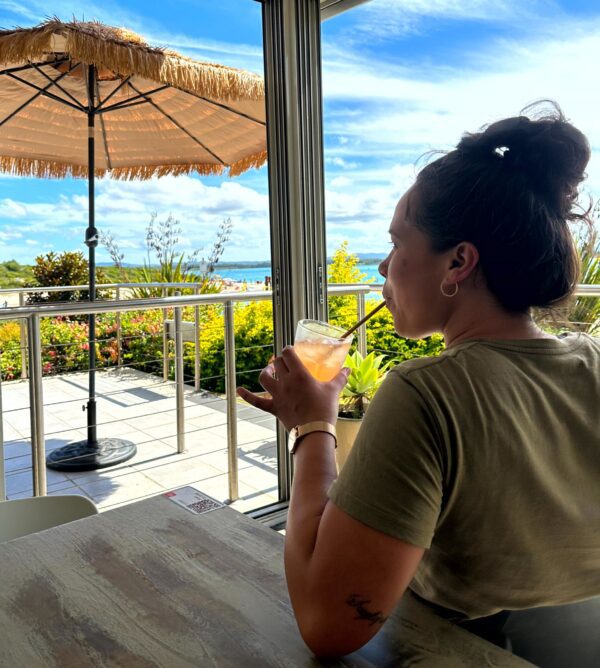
(13, 274)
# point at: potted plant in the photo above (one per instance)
(366, 375)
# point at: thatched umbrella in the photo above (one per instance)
(82, 99)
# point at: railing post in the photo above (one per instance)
(36, 407)
(230, 387)
(196, 344)
(119, 333)
(165, 341)
(23, 327)
(2, 483)
(179, 393)
(362, 331)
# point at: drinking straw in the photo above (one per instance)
(362, 320)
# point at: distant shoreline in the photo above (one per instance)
(243, 264)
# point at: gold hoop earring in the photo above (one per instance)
(448, 294)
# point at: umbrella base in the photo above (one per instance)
(82, 456)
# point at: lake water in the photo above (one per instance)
(254, 274)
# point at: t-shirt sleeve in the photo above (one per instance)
(392, 480)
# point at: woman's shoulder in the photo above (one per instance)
(436, 363)
(483, 355)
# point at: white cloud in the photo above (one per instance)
(340, 162)
(389, 19)
(20, 8)
(9, 235)
(11, 209)
(340, 182)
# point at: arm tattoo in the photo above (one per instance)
(359, 603)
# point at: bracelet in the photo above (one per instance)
(298, 432)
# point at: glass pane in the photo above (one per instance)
(195, 233)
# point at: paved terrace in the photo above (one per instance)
(141, 408)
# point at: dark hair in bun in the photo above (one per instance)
(510, 190)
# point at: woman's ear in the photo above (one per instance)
(464, 259)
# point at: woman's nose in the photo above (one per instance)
(383, 266)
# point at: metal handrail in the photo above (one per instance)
(99, 286)
(85, 307)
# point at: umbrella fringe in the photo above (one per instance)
(116, 50)
(48, 169)
(257, 160)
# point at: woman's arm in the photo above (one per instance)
(344, 578)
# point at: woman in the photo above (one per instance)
(474, 478)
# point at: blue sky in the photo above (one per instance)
(401, 77)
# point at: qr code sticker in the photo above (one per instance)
(204, 506)
(193, 500)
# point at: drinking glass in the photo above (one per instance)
(320, 347)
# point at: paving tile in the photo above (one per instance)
(19, 495)
(54, 441)
(198, 440)
(18, 482)
(133, 485)
(161, 430)
(21, 422)
(107, 504)
(259, 479)
(17, 449)
(181, 473)
(68, 491)
(15, 464)
(254, 501)
(58, 486)
(9, 433)
(56, 477)
(218, 488)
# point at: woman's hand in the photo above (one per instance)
(296, 397)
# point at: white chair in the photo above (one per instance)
(24, 516)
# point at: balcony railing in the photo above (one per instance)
(174, 328)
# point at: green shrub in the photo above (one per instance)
(382, 338)
(10, 350)
(62, 269)
(253, 328)
(344, 269)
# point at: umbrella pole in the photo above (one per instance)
(92, 453)
(91, 241)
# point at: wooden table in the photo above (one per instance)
(154, 585)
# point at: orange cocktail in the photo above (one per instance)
(321, 348)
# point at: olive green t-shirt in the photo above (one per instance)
(489, 456)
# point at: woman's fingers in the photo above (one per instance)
(342, 378)
(292, 361)
(280, 366)
(264, 403)
(267, 378)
